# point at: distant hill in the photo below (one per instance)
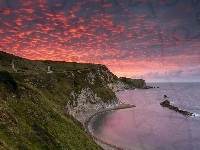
(133, 83)
(38, 100)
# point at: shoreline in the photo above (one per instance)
(86, 118)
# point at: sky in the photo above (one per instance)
(157, 40)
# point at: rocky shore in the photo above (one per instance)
(167, 104)
(89, 115)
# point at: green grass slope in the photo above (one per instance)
(32, 113)
(39, 66)
(33, 100)
(29, 120)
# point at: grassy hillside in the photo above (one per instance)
(32, 106)
(35, 97)
(38, 66)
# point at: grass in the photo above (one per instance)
(35, 122)
(134, 83)
(32, 106)
(107, 94)
(38, 66)
(32, 102)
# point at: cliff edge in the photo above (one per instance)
(39, 99)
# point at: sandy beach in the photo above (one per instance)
(89, 115)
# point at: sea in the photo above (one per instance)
(149, 126)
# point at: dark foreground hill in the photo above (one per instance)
(38, 100)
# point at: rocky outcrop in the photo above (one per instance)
(118, 86)
(165, 96)
(149, 87)
(167, 104)
(87, 100)
(93, 89)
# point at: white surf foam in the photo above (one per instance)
(195, 115)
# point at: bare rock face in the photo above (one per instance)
(166, 103)
(118, 86)
(90, 78)
(87, 100)
(93, 89)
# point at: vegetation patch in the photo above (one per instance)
(133, 83)
(33, 102)
(7, 80)
(107, 95)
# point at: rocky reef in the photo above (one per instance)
(149, 87)
(167, 104)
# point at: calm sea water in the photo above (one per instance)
(150, 126)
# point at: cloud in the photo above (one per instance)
(112, 33)
(171, 74)
(156, 75)
(190, 72)
(174, 73)
(194, 71)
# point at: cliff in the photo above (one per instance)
(39, 99)
(133, 83)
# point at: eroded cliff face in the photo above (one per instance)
(77, 87)
(87, 100)
(93, 89)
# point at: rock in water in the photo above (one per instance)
(166, 103)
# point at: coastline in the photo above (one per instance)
(86, 118)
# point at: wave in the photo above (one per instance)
(195, 115)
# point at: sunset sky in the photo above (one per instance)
(157, 40)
